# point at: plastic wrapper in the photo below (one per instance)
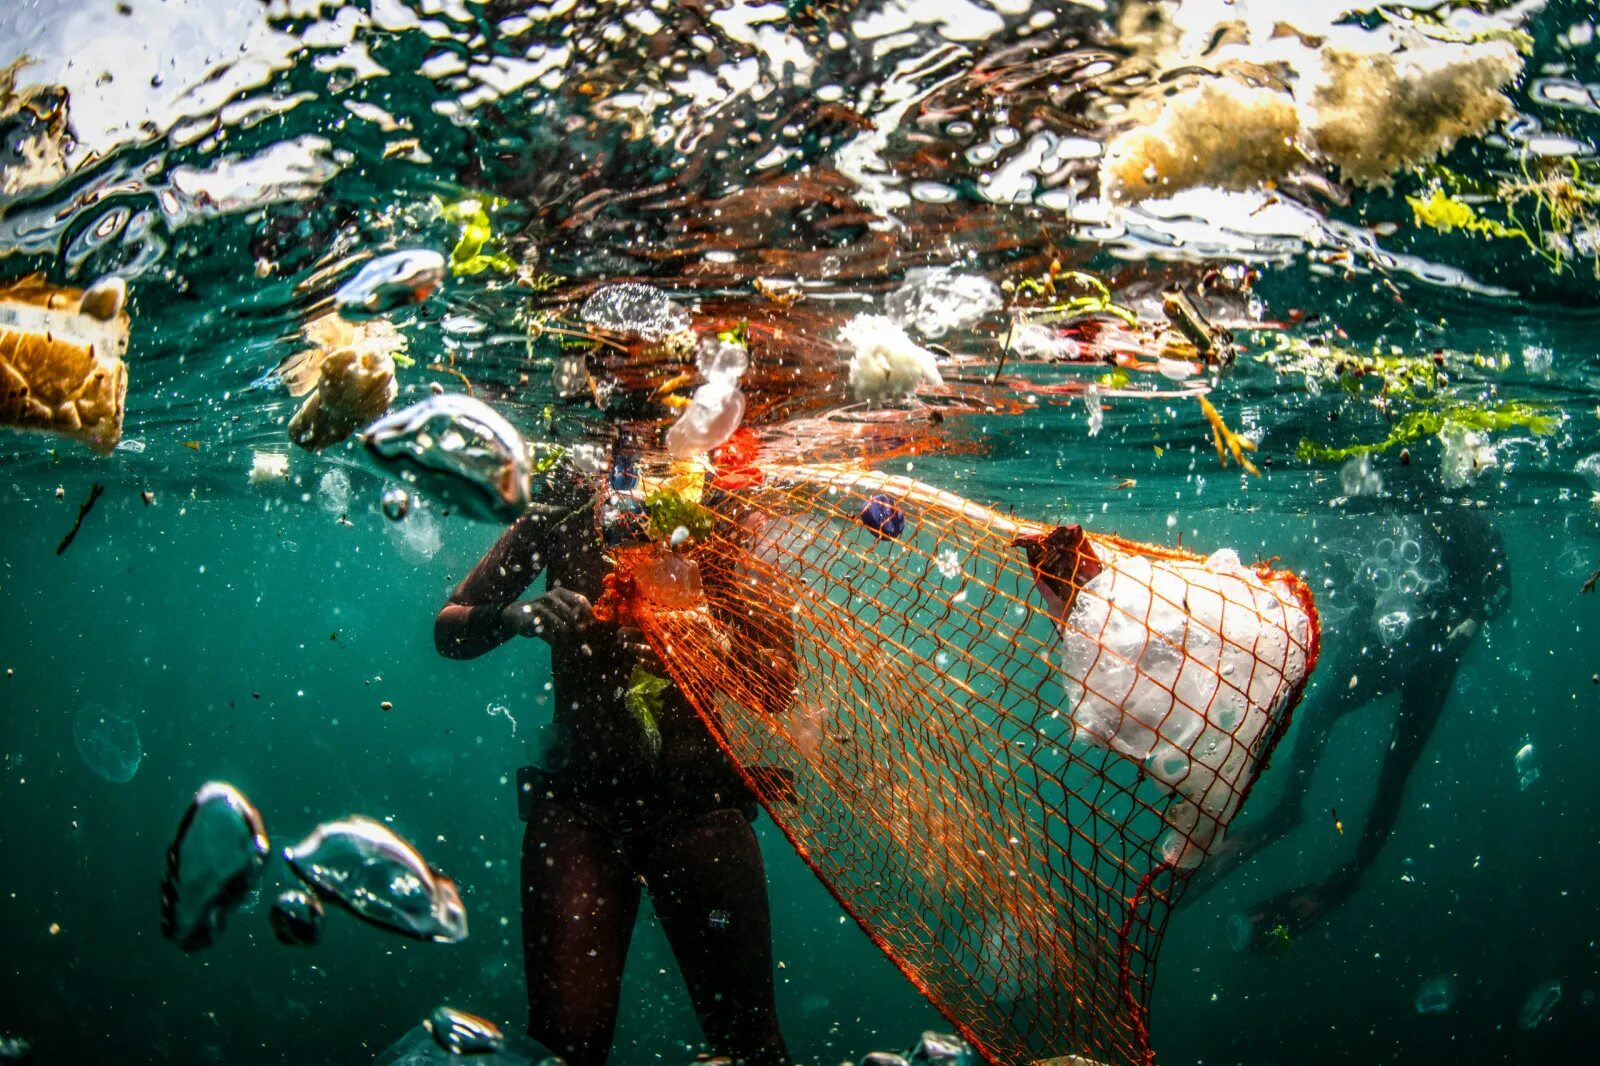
(346, 376)
(61, 368)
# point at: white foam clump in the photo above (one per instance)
(934, 301)
(886, 364)
(1185, 667)
(717, 407)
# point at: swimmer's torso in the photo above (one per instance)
(598, 740)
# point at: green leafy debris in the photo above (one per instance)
(644, 697)
(1447, 213)
(1416, 425)
(477, 248)
(670, 509)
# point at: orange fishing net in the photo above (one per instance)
(1002, 746)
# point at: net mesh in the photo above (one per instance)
(1001, 745)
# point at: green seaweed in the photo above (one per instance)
(670, 509)
(1416, 425)
(477, 249)
(644, 697)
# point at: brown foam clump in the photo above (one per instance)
(1218, 133)
(347, 377)
(1378, 113)
(61, 368)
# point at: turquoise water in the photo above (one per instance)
(253, 629)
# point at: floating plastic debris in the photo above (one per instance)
(459, 451)
(1188, 691)
(1393, 626)
(934, 301)
(369, 870)
(333, 491)
(1588, 468)
(346, 374)
(883, 517)
(638, 310)
(1539, 1004)
(267, 467)
(420, 1047)
(108, 743)
(885, 364)
(297, 918)
(1436, 995)
(396, 503)
(940, 1049)
(1526, 762)
(1358, 478)
(461, 1033)
(212, 864)
(389, 282)
(419, 537)
(61, 368)
(717, 407)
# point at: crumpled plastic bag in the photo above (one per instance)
(61, 368)
(346, 376)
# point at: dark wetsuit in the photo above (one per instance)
(605, 815)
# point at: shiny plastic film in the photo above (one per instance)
(1003, 746)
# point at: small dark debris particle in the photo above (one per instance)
(1588, 586)
(148, 498)
(334, 636)
(255, 695)
(386, 705)
(83, 511)
(1405, 456)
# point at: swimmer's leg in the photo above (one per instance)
(579, 902)
(709, 888)
(1422, 700)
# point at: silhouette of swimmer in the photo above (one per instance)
(1404, 606)
(607, 813)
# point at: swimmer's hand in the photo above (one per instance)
(633, 639)
(560, 617)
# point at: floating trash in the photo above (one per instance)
(333, 491)
(1539, 1004)
(366, 868)
(108, 742)
(389, 282)
(934, 301)
(212, 864)
(297, 918)
(1436, 995)
(1526, 762)
(461, 1033)
(420, 1047)
(396, 503)
(459, 451)
(418, 538)
(61, 359)
(940, 1049)
(883, 517)
(640, 310)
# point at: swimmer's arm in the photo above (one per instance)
(473, 621)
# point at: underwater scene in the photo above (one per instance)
(886, 532)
